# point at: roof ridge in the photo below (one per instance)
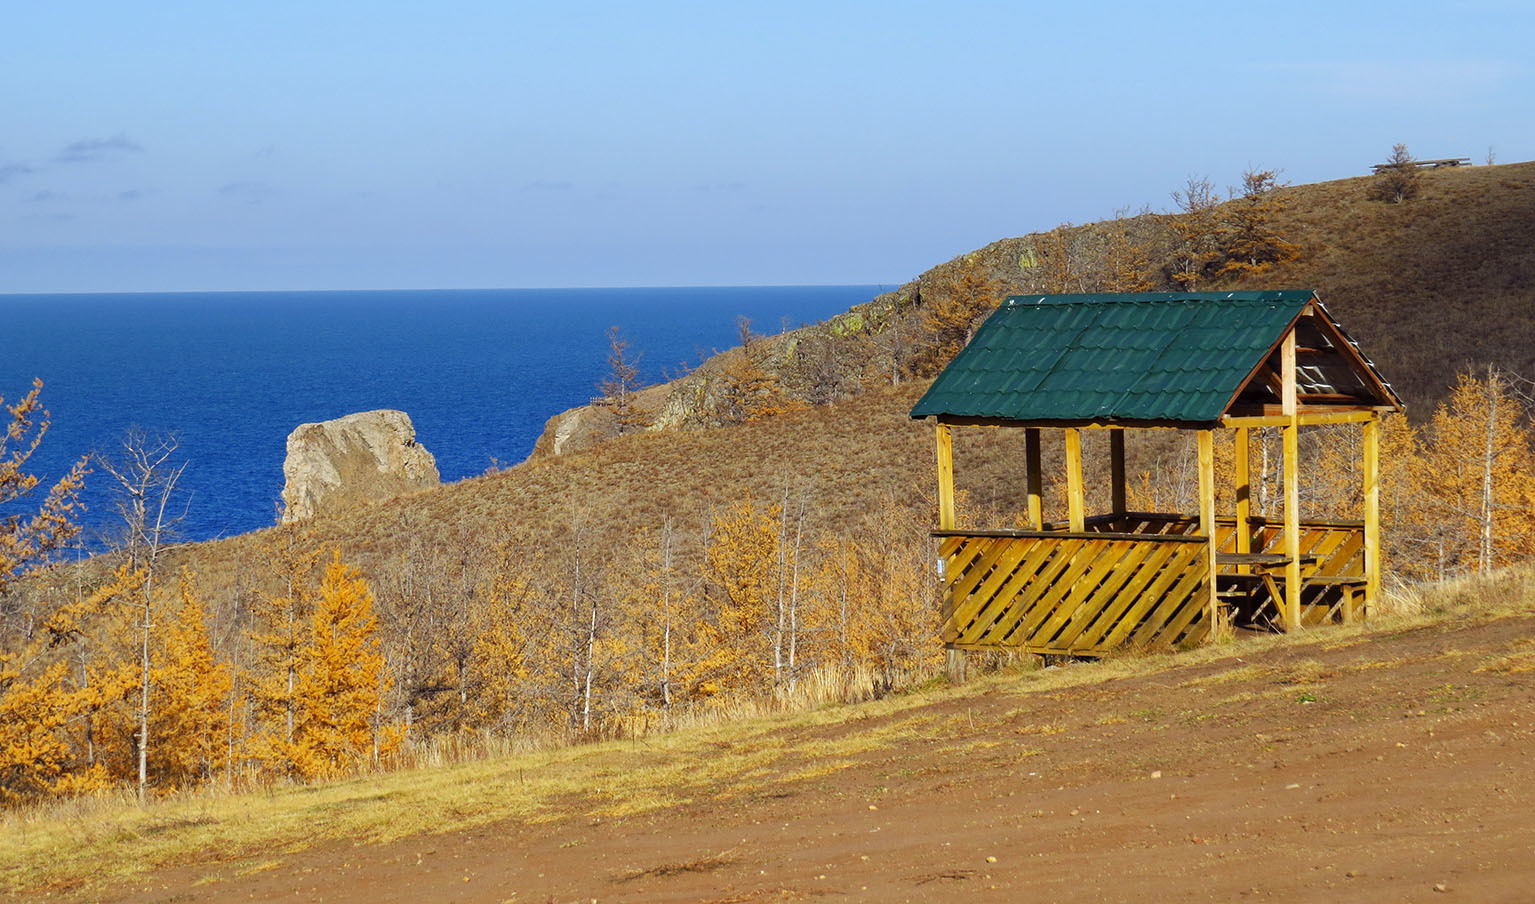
(1259, 295)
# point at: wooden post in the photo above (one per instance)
(1076, 502)
(1244, 492)
(1292, 584)
(1207, 518)
(954, 660)
(1117, 472)
(1036, 485)
(955, 665)
(1371, 513)
(945, 478)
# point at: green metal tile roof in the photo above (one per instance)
(1113, 357)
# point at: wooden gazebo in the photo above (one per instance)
(1196, 361)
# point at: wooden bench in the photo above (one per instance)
(1426, 164)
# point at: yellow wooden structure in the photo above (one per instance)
(1091, 584)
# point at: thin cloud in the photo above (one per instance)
(721, 187)
(131, 194)
(249, 192)
(93, 150)
(10, 171)
(45, 197)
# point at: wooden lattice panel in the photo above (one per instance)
(1080, 594)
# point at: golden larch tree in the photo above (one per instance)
(279, 633)
(341, 686)
(735, 652)
(1478, 474)
(58, 692)
(190, 728)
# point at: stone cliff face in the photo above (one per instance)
(361, 458)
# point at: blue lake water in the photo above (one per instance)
(231, 374)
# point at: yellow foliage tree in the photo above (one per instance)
(190, 731)
(953, 302)
(747, 392)
(734, 652)
(279, 631)
(1250, 244)
(1479, 474)
(497, 667)
(55, 693)
(652, 618)
(27, 541)
(339, 728)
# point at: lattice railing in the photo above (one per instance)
(1072, 593)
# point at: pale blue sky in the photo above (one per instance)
(167, 146)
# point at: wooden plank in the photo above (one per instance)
(1015, 553)
(1189, 618)
(1100, 566)
(1030, 597)
(1136, 585)
(1207, 513)
(1185, 561)
(1170, 603)
(1335, 552)
(1309, 417)
(1078, 583)
(1367, 375)
(1066, 535)
(1076, 503)
(1244, 490)
(945, 478)
(1128, 559)
(1291, 483)
(1016, 591)
(1117, 471)
(1292, 582)
(1371, 467)
(1058, 594)
(1034, 477)
(963, 585)
(1039, 587)
(963, 559)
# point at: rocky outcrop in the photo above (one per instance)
(586, 426)
(361, 458)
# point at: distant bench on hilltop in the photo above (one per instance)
(1427, 164)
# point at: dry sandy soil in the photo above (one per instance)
(1379, 767)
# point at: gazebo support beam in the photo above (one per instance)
(1034, 476)
(955, 661)
(1244, 491)
(1292, 585)
(1371, 443)
(1117, 472)
(1207, 518)
(1076, 498)
(945, 478)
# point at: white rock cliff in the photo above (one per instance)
(361, 458)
